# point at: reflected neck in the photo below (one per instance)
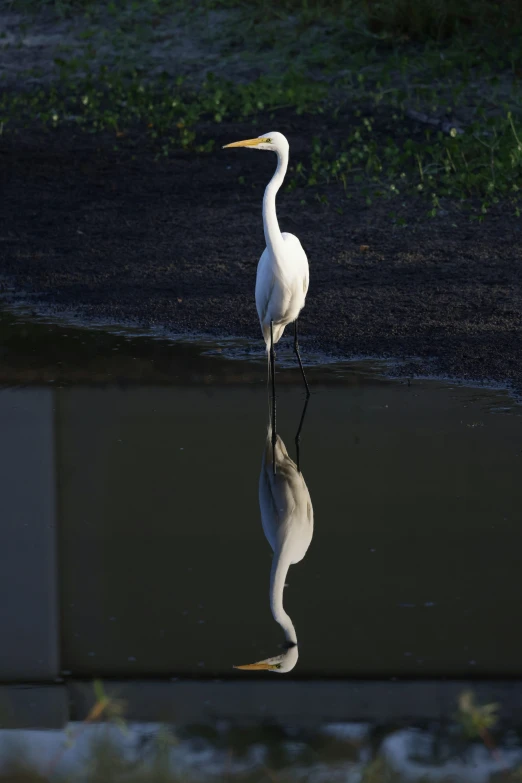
(280, 565)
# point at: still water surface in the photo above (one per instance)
(146, 457)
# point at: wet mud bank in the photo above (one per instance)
(119, 234)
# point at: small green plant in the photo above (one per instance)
(477, 721)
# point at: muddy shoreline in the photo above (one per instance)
(119, 235)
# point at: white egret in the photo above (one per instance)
(288, 523)
(282, 272)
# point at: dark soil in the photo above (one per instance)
(175, 242)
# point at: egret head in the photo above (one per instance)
(273, 141)
(280, 664)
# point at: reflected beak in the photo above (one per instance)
(255, 666)
(245, 143)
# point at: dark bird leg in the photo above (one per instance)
(272, 368)
(296, 351)
(298, 434)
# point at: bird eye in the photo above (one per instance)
(268, 141)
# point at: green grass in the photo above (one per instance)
(485, 164)
(168, 112)
(421, 99)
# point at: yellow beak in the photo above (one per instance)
(254, 666)
(245, 143)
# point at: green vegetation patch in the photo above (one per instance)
(168, 110)
(418, 98)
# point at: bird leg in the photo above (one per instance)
(272, 369)
(296, 351)
(298, 434)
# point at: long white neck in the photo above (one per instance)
(280, 565)
(273, 237)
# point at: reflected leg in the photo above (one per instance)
(272, 369)
(296, 351)
(298, 434)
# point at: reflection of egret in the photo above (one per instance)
(288, 523)
(282, 272)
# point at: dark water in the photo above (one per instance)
(132, 545)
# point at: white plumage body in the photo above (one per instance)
(281, 286)
(282, 272)
(284, 501)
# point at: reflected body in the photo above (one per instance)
(288, 523)
(282, 273)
